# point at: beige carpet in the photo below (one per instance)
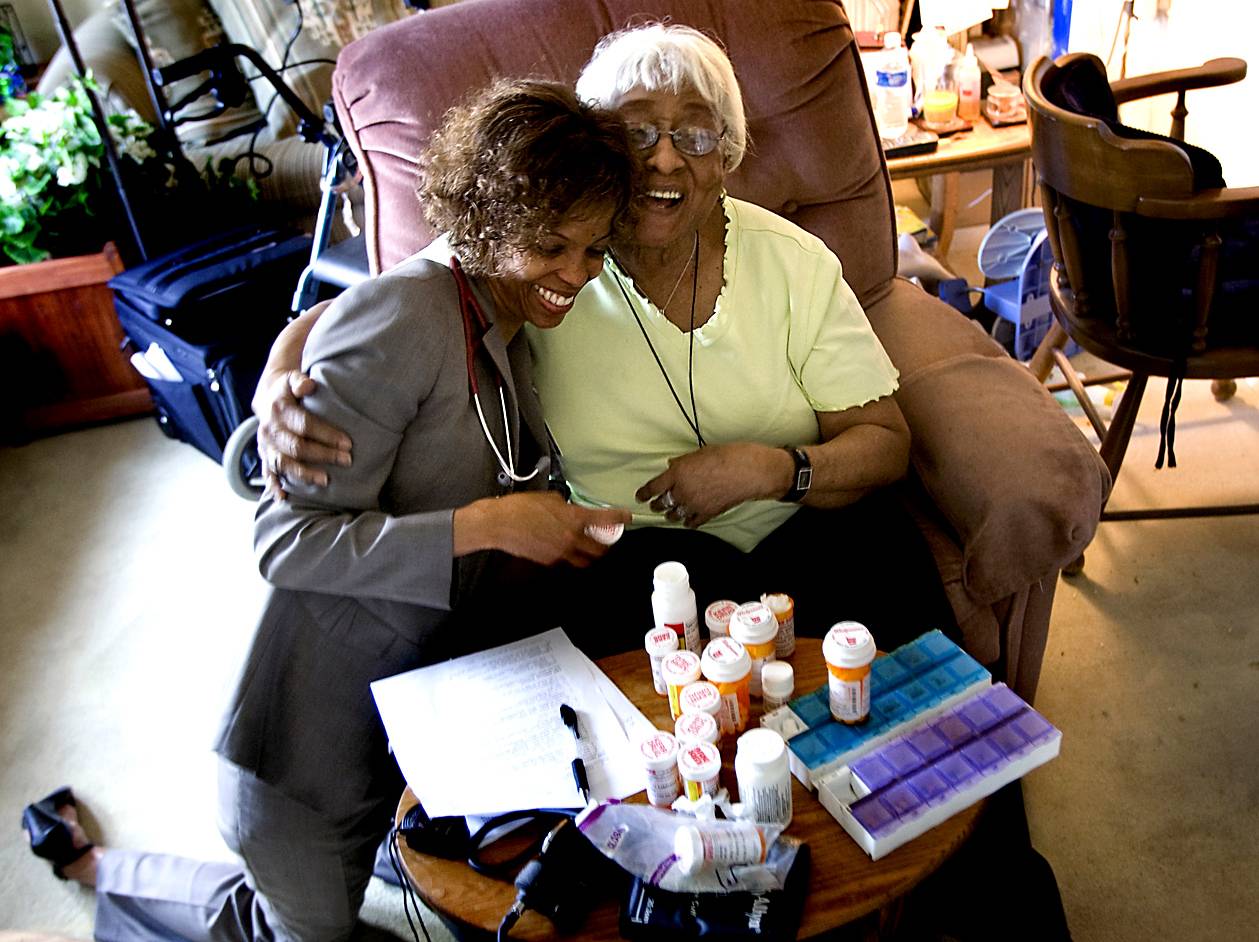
(128, 593)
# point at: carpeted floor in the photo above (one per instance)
(129, 591)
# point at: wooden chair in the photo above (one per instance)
(1156, 262)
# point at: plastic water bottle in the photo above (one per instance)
(893, 94)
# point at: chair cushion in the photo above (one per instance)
(1080, 85)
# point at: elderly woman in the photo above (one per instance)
(427, 369)
(722, 379)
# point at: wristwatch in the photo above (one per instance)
(801, 477)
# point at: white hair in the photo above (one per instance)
(659, 56)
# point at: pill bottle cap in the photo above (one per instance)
(661, 641)
(689, 848)
(778, 603)
(717, 616)
(659, 750)
(699, 697)
(725, 660)
(778, 679)
(605, 533)
(680, 667)
(698, 761)
(697, 727)
(762, 748)
(671, 578)
(848, 644)
(753, 623)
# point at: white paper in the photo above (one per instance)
(161, 363)
(482, 734)
(955, 15)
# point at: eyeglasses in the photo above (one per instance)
(692, 141)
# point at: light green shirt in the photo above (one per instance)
(787, 339)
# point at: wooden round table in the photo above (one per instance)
(844, 885)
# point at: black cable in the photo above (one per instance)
(408, 894)
(690, 349)
(256, 159)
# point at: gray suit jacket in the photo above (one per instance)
(363, 574)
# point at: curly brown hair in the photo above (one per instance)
(507, 166)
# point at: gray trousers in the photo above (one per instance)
(303, 881)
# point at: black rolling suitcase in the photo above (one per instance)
(200, 322)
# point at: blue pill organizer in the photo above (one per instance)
(940, 737)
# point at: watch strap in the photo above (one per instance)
(801, 475)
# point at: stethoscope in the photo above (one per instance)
(472, 313)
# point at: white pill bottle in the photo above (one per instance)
(673, 604)
(762, 774)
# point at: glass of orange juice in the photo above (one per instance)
(939, 100)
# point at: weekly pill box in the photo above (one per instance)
(915, 682)
(937, 768)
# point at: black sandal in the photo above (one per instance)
(50, 836)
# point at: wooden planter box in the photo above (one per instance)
(61, 357)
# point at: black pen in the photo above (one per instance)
(569, 716)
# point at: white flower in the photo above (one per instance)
(73, 173)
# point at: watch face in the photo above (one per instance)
(804, 478)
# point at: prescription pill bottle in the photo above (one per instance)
(849, 649)
(700, 847)
(784, 609)
(754, 626)
(697, 727)
(760, 769)
(727, 665)
(678, 669)
(659, 753)
(699, 764)
(717, 617)
(701, 696)
(673, 603)
(778, 683)
(660, 643)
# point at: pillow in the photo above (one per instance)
(269, 25)
(174, 30)
(1081, 86)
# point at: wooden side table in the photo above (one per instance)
(845, 885)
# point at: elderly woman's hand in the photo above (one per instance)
(291, 441)
(702, 484)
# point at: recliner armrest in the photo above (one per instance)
(1019, 484)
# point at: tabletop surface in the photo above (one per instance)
(982, 146)
(844, 885)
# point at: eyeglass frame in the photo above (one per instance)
(673, 137)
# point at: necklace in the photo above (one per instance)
(692, 418)
(677, 284)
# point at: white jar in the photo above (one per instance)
(673, 603)
(697, 727)
(659, 753)
(784, 609)
(677, 670)
(717, 617)
(699, 764)
(755, 627)
(778, 683)
(660, 643)
(764, 780)
(849, 650)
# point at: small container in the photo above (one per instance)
(660, 643)
(701, 696)
(760, 768)
(659, 753)
(849, 649)
(784, 609)
(697, 727)
(679, 669)
(717, 617)
(673, 603)
(727, 665)
(778, 683)
(698, 847)
(699, 764)
(1005, 103)
(939, 100)
(754, 626)
(968, 79)
(605, 533)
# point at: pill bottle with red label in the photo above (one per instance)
(754, 626)
(673, 603)
(849, 650)
(784, 609)
(699, 764)
(659, 754)
(726, 664)
(679, 669)
(660, 643)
